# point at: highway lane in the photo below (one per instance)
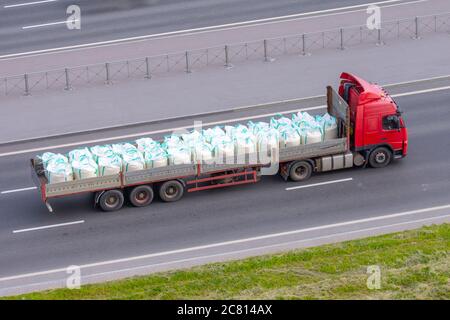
(421, 180)
(112, 28)
(114, 19)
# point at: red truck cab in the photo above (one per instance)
(378, 133)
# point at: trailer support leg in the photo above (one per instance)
(49, 207)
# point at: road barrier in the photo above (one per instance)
(264, 50)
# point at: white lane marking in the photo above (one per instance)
(282, 244)
(161, 264)
(12, 153)
(417, 81)
(46, 24)
(420, 92)
(134, 135)
(239, 241)
(28, 3)
(185, 32)
(319, 184)
(18, 190)
(49, 226)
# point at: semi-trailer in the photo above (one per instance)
(371, 132)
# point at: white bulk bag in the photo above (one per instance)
(144, 144)
(109, 165)
(132, 159)
(84, 169)
(204, 152)
(58, 169)
(244, 144)
(156, 158)
(313, 135)
(101, 151)
(289, 138)
(179, 156)
(330, 130)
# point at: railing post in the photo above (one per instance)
(188, 70)
(416, 23)
(341, 31)
(66, 71)
(380, 40)
(147, 69)
(303, 44)
(227, 58)
(27, 86)
(266, 57)
(108, 76)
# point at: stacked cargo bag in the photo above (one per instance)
(57, 168)
(314, 134)
(258, 127)
(132, 159)
(180, 155)
(195, 141)
(83, 164)
(109, 163)
(101, 151)
(280, 122)
(172, 141)
(329, 126)
(289, 137)
(268, 141)
(215, 133)
(204, 152)
(243, 138)
(223, 148)
(155, 157)
(145, 144)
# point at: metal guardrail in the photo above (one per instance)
(264, 50)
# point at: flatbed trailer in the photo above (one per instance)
(171, 182)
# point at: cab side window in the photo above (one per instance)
(391, 122)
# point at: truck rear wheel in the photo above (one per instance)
(300, 171)
(171, 191)
(141, 196)
(111, 200)
(380, 157)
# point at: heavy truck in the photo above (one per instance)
(371, 132)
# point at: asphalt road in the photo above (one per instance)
(39, 48)
(216, 88)
(115, 19)
(172, 233)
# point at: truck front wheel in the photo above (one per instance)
(171, 191)
(111, 200)
(380, 157)
(300, 171)
(141, 196)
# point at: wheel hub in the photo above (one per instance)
(380, 157)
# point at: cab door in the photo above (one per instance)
(390, 131)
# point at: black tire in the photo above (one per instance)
(380, 157)
(111, 200)
(171, 191)
(141, 196)
(300, 171)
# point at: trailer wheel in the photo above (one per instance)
(111, 200)
(300, 171)
(171, 191)
(380, 157)
(141, 196)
